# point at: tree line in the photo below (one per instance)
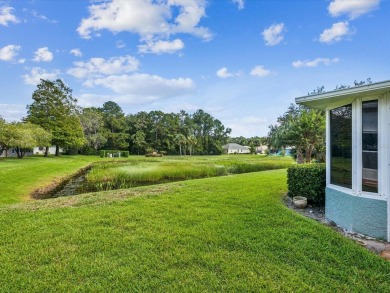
(55, 119)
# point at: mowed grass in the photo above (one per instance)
(20, 177)
(222, 234)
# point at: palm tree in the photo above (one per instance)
(180, 139)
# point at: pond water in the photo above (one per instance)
(75, 185)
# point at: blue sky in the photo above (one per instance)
(243, 61)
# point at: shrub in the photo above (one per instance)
(154, 155)
(114, 154)
(307, 180)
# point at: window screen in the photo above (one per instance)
(341, 146)
(370, 146)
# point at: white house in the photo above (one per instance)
(358, 157)
(234, 148)
(35, 151)
(261, 149)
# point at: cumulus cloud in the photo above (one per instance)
(159, 47)
(336, 33)
(8, 53)
(76, 52)
(274, 34)
(240, 3)
(96, 67)
(352, 8)
(43, 55)
(37, 73)
(260, 71)
(150, 20)
(6, 16)
(314, 63)
(145, 85)
(224, 73)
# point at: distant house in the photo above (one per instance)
(261, 149)
(12, 153)
(235, 148)
(357, 195)
(35, 151)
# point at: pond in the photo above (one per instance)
(127, 174)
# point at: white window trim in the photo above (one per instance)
(383, 163)
(386, 140)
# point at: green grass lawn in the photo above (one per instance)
(19, 177)
(222, 234)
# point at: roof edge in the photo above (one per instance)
(363, 89)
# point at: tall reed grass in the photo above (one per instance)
(118, 175)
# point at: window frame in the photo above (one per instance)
(357, 164)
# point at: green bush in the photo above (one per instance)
(307, 180)
(114, 154)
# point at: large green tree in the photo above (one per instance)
(92, 121)
(55, 110)
(302, 128)
(116, 126)
(5, 136)
(210, 133)
(26, 136)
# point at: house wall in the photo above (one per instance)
(363, 215)
(238, 151)
(12, 153)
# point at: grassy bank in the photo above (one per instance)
(229, 234)
(146, 171)
(19, 177)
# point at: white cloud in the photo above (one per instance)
(352, 8)
(6, 16)
(260, 71)
(247, 126)
(224, 73)
(76, 52)
(335, 33)
(96, 67)
(314, 63)
(12, 112)
(8, 53)
(43, 55)
(240, 3)
(159, 47)
(274, 34)
(151, 20)
(43, 17)
(37, 74)
(140, 86)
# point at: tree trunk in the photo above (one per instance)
(300, 159)
(309, 151)
(180, 149)
(57, 150)
(46, 152)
